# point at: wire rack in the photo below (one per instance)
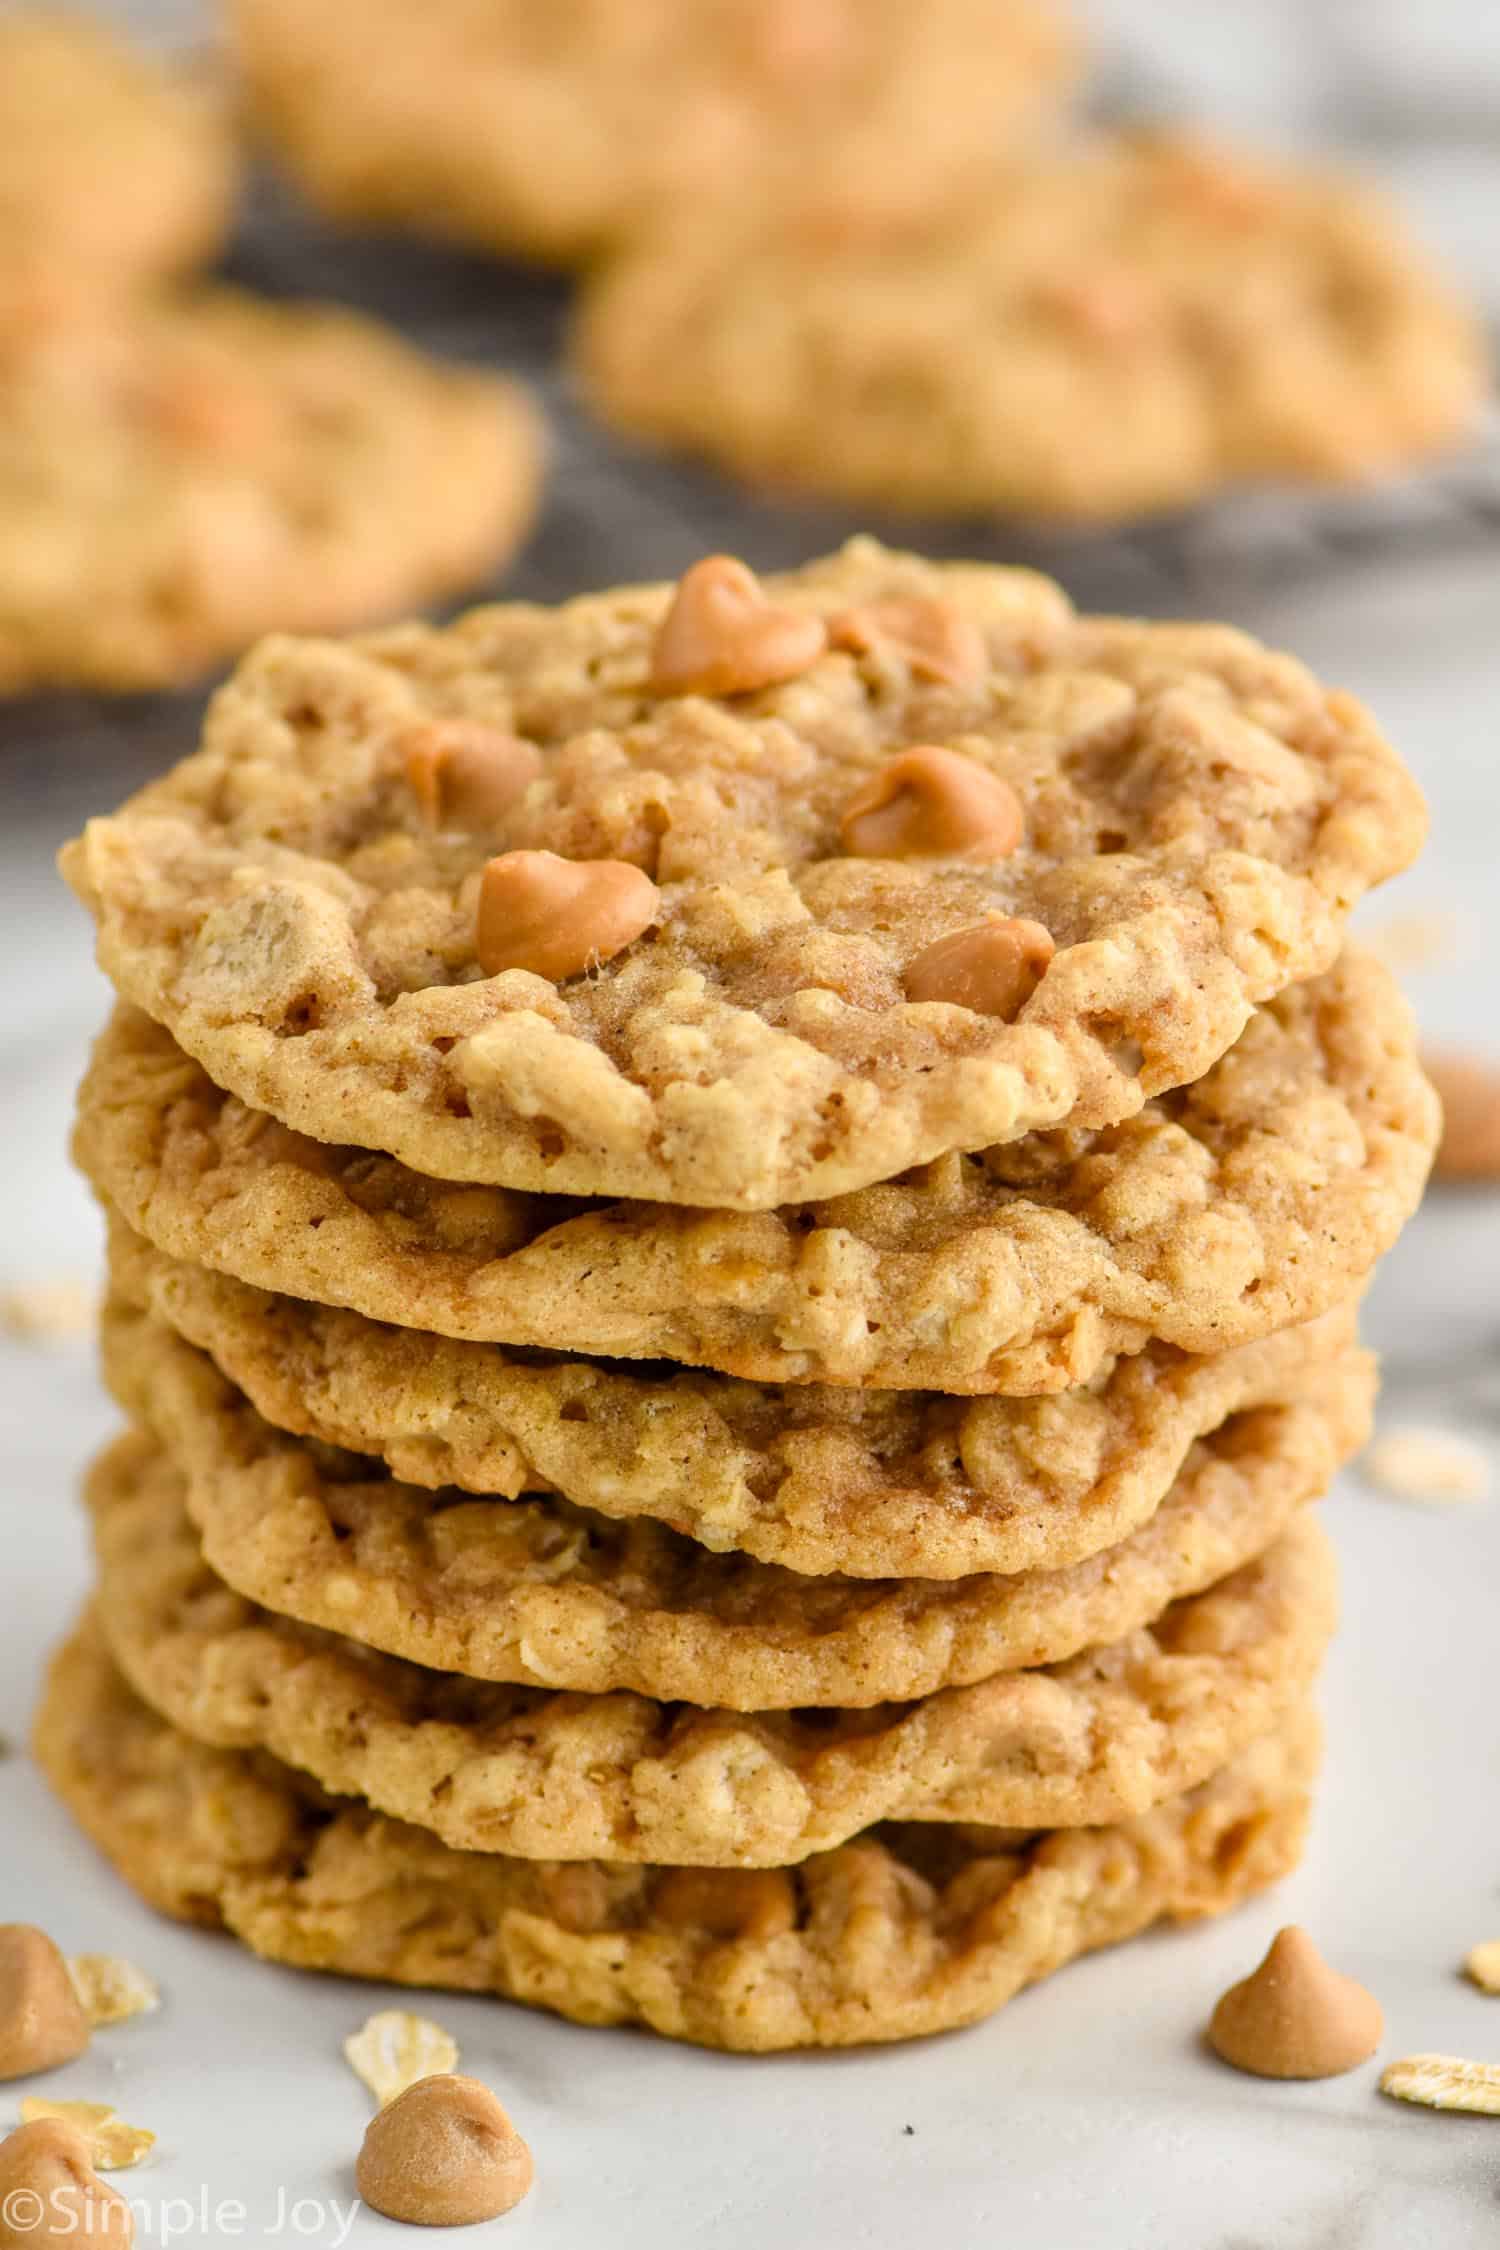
(612, 514)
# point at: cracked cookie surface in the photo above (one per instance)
(873, 1484)
(176, 483)
(1093, 333)
(903, 1931)
(620, 1776)
(311, 918)
(1253, 1200)
(541, 1593)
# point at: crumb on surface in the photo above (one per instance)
(1412, 1462)
(47, 1312)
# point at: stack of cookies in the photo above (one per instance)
(736, 1215)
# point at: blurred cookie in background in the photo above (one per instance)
(177, 483)
(553, 132)
(1101, 332)
(114, 170)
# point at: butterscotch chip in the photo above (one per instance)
(721, 635)
(443, 2154)
(1483, 1965)
(559, 146)
(1295, 2017)
(1110, 326)
(50, 2193)
(42, 2020)
(1445, 2082)
(931, 803)
(283, 906)
(557, 917)
(467, 776)
(992, 968)
(391, 2051)
(1469, 1090)
(724, 1902)
(625, 1777)
(113, 2145)
(932, 637)
(112, 1990)
(1252, 1200)
(903, 1932)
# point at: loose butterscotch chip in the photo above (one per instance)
(395, 2049)
(111, 1990)
(993, 967)
(555, 916)
(933, 636)
(50, 2193)
(464, 775)
(931, 803)
(1444, 2082)
(1469, 1089)
(443, 2154)
(721, 635)
(1295, 2017)
(1483, 1965)
(113, 2145)
(42, 2020)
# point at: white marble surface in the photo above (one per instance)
(1086, 2117)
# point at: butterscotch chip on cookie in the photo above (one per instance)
(901, 1932)
(873, 1484)
(175, 484)
(554, 135)
(1258, 1198)
(576, 1776)
(114, 172)
(706, 1004)
(537, 1591)
(1092, 333)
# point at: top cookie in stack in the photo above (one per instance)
(734, 895)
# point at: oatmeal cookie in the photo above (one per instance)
(1256, 1199)
(871, 1484)
(176, 483)
(542, 1593)
(903, 1931)
(545, 1774)
(1094, 333)
(553, 132)
(114, 172)
(735, 896)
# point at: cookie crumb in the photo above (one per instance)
(1407, 943)
(393, 2050)
(1295, 2017)
(1412, 1462)
(1483, 1965)
(48, 1312)
(112, 1990)
(113, 2145)
(1444, 2082)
